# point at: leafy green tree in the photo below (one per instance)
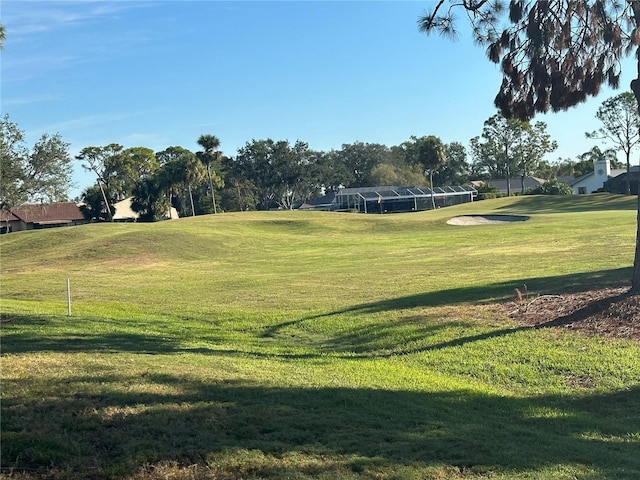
(620, 125)
(533, 144)
(101, 161)
(210, 157)
(510, 147)
(456, 170)
(331, 171)
(428, 152)
(38, 175)
(553, 54)
(150, 199)
(3, 36)
(92, 206)
(360, 158)
(497, 151)
(128, 168)
(281, 174)
(239, 195)
(393, 173)
(180, 170)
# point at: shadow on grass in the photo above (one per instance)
(571, 204)
(104, 343)
(369, 339)
(500, 291)
(485, 294)
(249, 431)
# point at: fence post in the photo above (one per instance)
(68, 298)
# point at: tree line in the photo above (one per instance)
(267, 174)
(277, 174)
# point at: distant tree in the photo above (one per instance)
(210, 157)
(550, 170)
(38, 175)
(511, 146)
(181, 169)
(620, 125)
(150, 199)
(428, 152)
(132, 165)
(92, 206)
(282, 175)
(359, 159)
(496, 152)
(101, 160)
(332, 172)
(595, 154)
(553, 54)
(392, 173)
(3, 36)
(456, 170)
(533, 144)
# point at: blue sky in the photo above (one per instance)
(160, 73)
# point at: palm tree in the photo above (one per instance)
(595, 154)
(210, 145)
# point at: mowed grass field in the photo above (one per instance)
(314, 345)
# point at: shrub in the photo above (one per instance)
(551, 187)
(486, 191)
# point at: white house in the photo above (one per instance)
(592, 182)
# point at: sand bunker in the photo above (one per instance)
(486, 219)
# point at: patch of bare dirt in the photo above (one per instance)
(610, 312)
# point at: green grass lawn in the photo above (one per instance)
(313, 345)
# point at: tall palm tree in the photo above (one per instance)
(595, 154)
(210, 145)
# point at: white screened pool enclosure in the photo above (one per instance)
(391, 199)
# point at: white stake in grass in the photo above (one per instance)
(68, 298)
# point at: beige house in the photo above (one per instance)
(125, 214)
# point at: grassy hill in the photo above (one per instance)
(305, 345)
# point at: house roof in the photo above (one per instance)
(612, 174)
(7, 216)
(48, 214)
(515, 183)
(580, 178)
(623, 172)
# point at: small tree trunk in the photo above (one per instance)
(635, 282)
(635, 88)
(627, 179)
(193, 210)
(106, 202)
(213, 197)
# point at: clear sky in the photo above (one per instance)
(160, 73)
